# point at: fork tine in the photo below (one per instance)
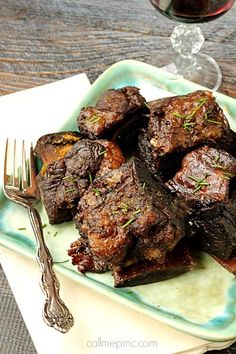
(32, 167)
(24, 178)
(5, 175)
(15, 167)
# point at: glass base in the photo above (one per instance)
(202, 69)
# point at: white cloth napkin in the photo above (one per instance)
(101, 325)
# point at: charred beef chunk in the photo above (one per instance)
(83, 258)
(204, 181)
(51, 147)
(163, 168)
(178, 125)
(204, 176)
(127, 135)
(127, 210)
(177, 262)
(77, 170)
(49, 181)
(112, 109)
(183, 122)
(216, 226)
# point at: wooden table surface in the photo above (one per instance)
(45, 40)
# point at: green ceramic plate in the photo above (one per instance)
(202, 302)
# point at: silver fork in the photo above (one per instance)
(20, 187)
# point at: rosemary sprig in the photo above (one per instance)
(199, 183)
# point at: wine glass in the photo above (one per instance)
(187, 39)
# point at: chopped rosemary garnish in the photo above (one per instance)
(217, 165)
(176, 114)
(94, 118)
(188, 125)
(202, 101)
(69, 179)
(97, 191)
(54, 235)
(227, 175)
(214, 121)
(22, 228)
(70, 190)
(144, 185)
(124, 207)
(114, 212)
(211, 120)
(129, 292)
(137, 212)
(200, 182)
(128, 222)
(90, 179)
(44, 225)
(102, 152)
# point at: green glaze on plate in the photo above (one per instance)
(201, 302)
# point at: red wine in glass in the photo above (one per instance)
(193, 11)
(188, 39)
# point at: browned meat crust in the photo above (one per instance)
(63, 182)
(112, 108)
(183, 122)
(178, 125)
(216, 227)
(126, 209)
(177, 262)
(51, 147)
(204, 176)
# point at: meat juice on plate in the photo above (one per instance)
(192, 10)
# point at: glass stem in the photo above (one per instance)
(186, 41)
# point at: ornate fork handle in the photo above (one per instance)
(55, 312)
